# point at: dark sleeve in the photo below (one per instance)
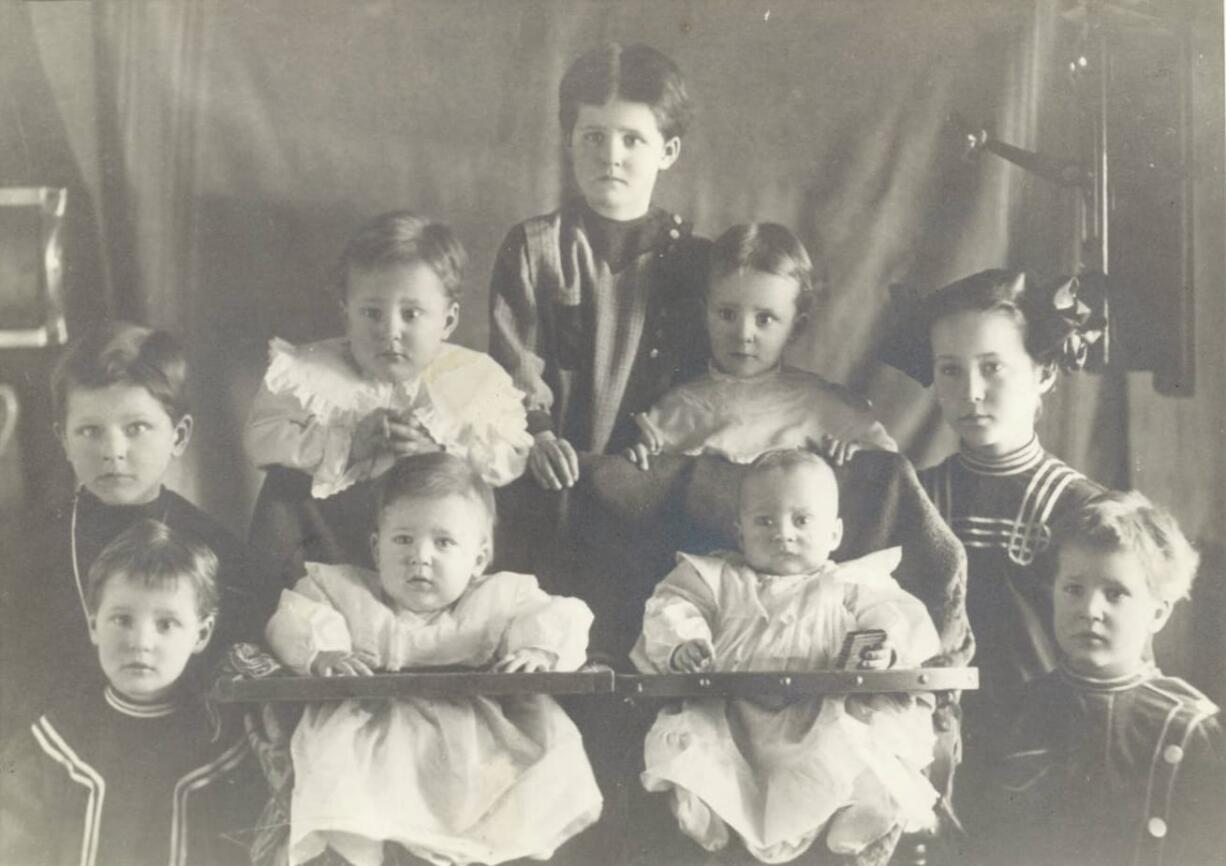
(884, 505)
(1197, 832)
(25, 805)
(517, 338)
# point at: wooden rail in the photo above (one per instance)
(457, 684)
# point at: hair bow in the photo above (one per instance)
(1073, 323)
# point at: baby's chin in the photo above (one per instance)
(784, 566)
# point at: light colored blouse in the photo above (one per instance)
(314, 396)
(740, 419)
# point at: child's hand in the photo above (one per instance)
(553, 462)
(405, 436)
(334, 663)
(649, 443)
(369, 438)
(527, 660)
(877, 658)
(837, 451)
(691, 657)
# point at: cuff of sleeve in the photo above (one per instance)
(539, 421)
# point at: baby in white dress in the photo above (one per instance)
(452, 780)
(760, 295)
(343, 409)
(780, 774)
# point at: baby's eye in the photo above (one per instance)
(991, 368)
(947, 370)
(765, 319)
(138, 427)
(631, 140)
(122, 620)
(166, 624)
(1072, 589)
(802, 520)
(402, 538)
(372, 313)
(593, 136)
(410, 314)
(445, 543)
(763, 521)
(726, 315)
(1113, 594)
(89, 431)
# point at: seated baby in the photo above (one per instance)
(780, 775)
(452, 780)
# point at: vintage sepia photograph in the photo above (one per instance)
(612, 432)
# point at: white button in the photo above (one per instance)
(1172, 754)
(677, 218)
(1156, 827)
(654, 353)
(674, 234)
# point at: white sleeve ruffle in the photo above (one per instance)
(306, 411)
(304, 625)
(681, 609)
(476, 412)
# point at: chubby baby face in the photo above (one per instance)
(429, 548)
(789, 518)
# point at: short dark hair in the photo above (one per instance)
(769, 248)
(1128, 521)
(430, 476)
(115, 352)
(152, 554)
(403, 238)
(635, 73)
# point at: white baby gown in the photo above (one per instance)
(453, 780)
(313, 397)
(778, 772)
(740, 419)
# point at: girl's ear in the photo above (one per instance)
(205, 634)
(1047, 377)
(672, 150)
(1162, 613)
(93, 629)
(453, 319)
(182, 434)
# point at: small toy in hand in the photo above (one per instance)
(861, 648)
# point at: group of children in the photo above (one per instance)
(1076, 748)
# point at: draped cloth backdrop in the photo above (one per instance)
(219, 154)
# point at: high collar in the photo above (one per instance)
(620, 242)
(129, 707)
(1107, 684)
(1014, 462)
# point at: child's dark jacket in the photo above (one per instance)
(591, 335)
(99, 781)
(1096, 772)
(45, 647)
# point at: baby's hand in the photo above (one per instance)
(877, 658)
(837, 451)
(406, 436)
(691, 657)
(334, 663)
(527, 660)
(553, 462)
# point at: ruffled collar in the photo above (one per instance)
(129, 707)
(1107, 684)
(718, 375)
(1015, 462)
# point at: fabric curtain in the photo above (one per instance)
(234, 147)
